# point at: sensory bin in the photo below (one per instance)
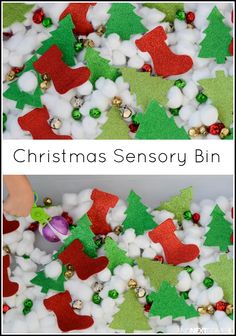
(111, 265)
(118, 71)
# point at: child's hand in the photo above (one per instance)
(20, 197)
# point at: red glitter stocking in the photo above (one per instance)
(67, 319)
(64, 78)
(166, 63)
(175, 251)
(78, 13)
(84, 265)
(9, 288)
(102, 202)
(36, 122)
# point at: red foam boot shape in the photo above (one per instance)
(82, 263)
(102, 202)
(175, 251)
(166, 63)
(36, 122)
(9, 288)
(67, 319)
(9, 226)
(231, 47)
(78, 13)
(64, 78)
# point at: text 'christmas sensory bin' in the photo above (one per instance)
(120, 266)
(118, 71)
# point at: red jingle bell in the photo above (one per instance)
(38, 16)
(159, 258)
(5, 308)
(196, 217)
(190, 17)
(220, 305)
(133, 128)
(7, 35)
(147, 68)
(147, 307)
(216, 128)
(33, 226)
(17, 69)
(67, 218)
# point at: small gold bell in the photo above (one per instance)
(6, 248)
(46, 77)
(203, 130)
(45, 85)
(118, 229)
(229, 309)
(47, 201)
(193, 131)
(10, 75)
(69, 267)
(55, 123)
(210, 309)
(77, 304)
(190, 26)
(68, 274)
(140, 292)
(224, 132)
(202, 310)
(100, 30)
(89, 43)
(132, 283)
(116, 101)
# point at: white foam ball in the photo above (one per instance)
(117, 283)
(104, 275)
(190, 90)
(184, 281)
(142, 242)
(194, 293)
(53, 269)
(129, 236)
(135, 62)
(32, 321)
(195, 120)
(117, 213)
(113, 41)
(149, 253)
(215, 294)
(85, 89)
(198, 275)
(208, 115)
(133, 250)
(27, 81)
(128, 48)
(202, 299)
(118, 58)
(126, 272)
(108, 305)
(109, 89)
(175, 97)
(15, 59)
(186, 111)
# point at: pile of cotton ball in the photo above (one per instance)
(24, 242)
(28, 37)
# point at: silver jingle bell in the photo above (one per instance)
(140, 292)
(76, 101)
(126, 111)
(77, 304)
(55, 123)
(97, 287)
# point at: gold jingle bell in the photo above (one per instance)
(100, 30)
(117, 101)
(203, 130)
(229, 309)
(140, 292)
(47, 201)
(132, 283)
(210, 309)
(6, 249)
(224, 132)
(55, 123)
(69, 267)
(202, 310)
(46, 77)
(77, 304)
(89, 43)
(68, 274)
(193, 131)
(118, 229)
(45, 85)
(10, 75)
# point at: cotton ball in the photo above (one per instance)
(126, 272)
(184, 283)
(32, 321)
(121, 84)
(79, 289)
(226, 325)
(175, 97)
(133, 250)
(15, 60)
(14, 41)
(149, 253)
(11, 238)
(95, 38)
(117, 283)
(27, 81)
(179, 25)
(90, 128)
(223, 203)
(173, 329)
(142, 242)
(128, 48)
(186, 111)
(135, 62)
(113, 41)
(198, 275)
(27, 45)
(190, 90)
(53, 270)
(40, 309)
(77, 131)
(157, 248)
(69, 200)
(208, 115)
(109, 89)
(84, 195)
(195, 120)
(161, 216)
(215, 294)
(117, 213)
(193, 294)
(129, 236)
(186, 48)
(201, 74)
(211, 326)
(80, 210)
(45, 259)
(99, 100)
(118, 58)
(108, 305)
(126, 97)
(202, 299)
(85, 89)
(19, 326)
(27, 265)
(96, 312)
(164, 321)
(104, 275)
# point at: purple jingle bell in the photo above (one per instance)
(56, 224)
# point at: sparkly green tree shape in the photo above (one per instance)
(137, 216)
(116, 255)
(131, 316)
(64, 38)
(82, 232)
(178, 204)
(115, 127)
(24, 98)
(99, 67)
(217, 40)
(220, 230)
(123, 21)
(49, 283)
(155, 124)
(167, 302)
